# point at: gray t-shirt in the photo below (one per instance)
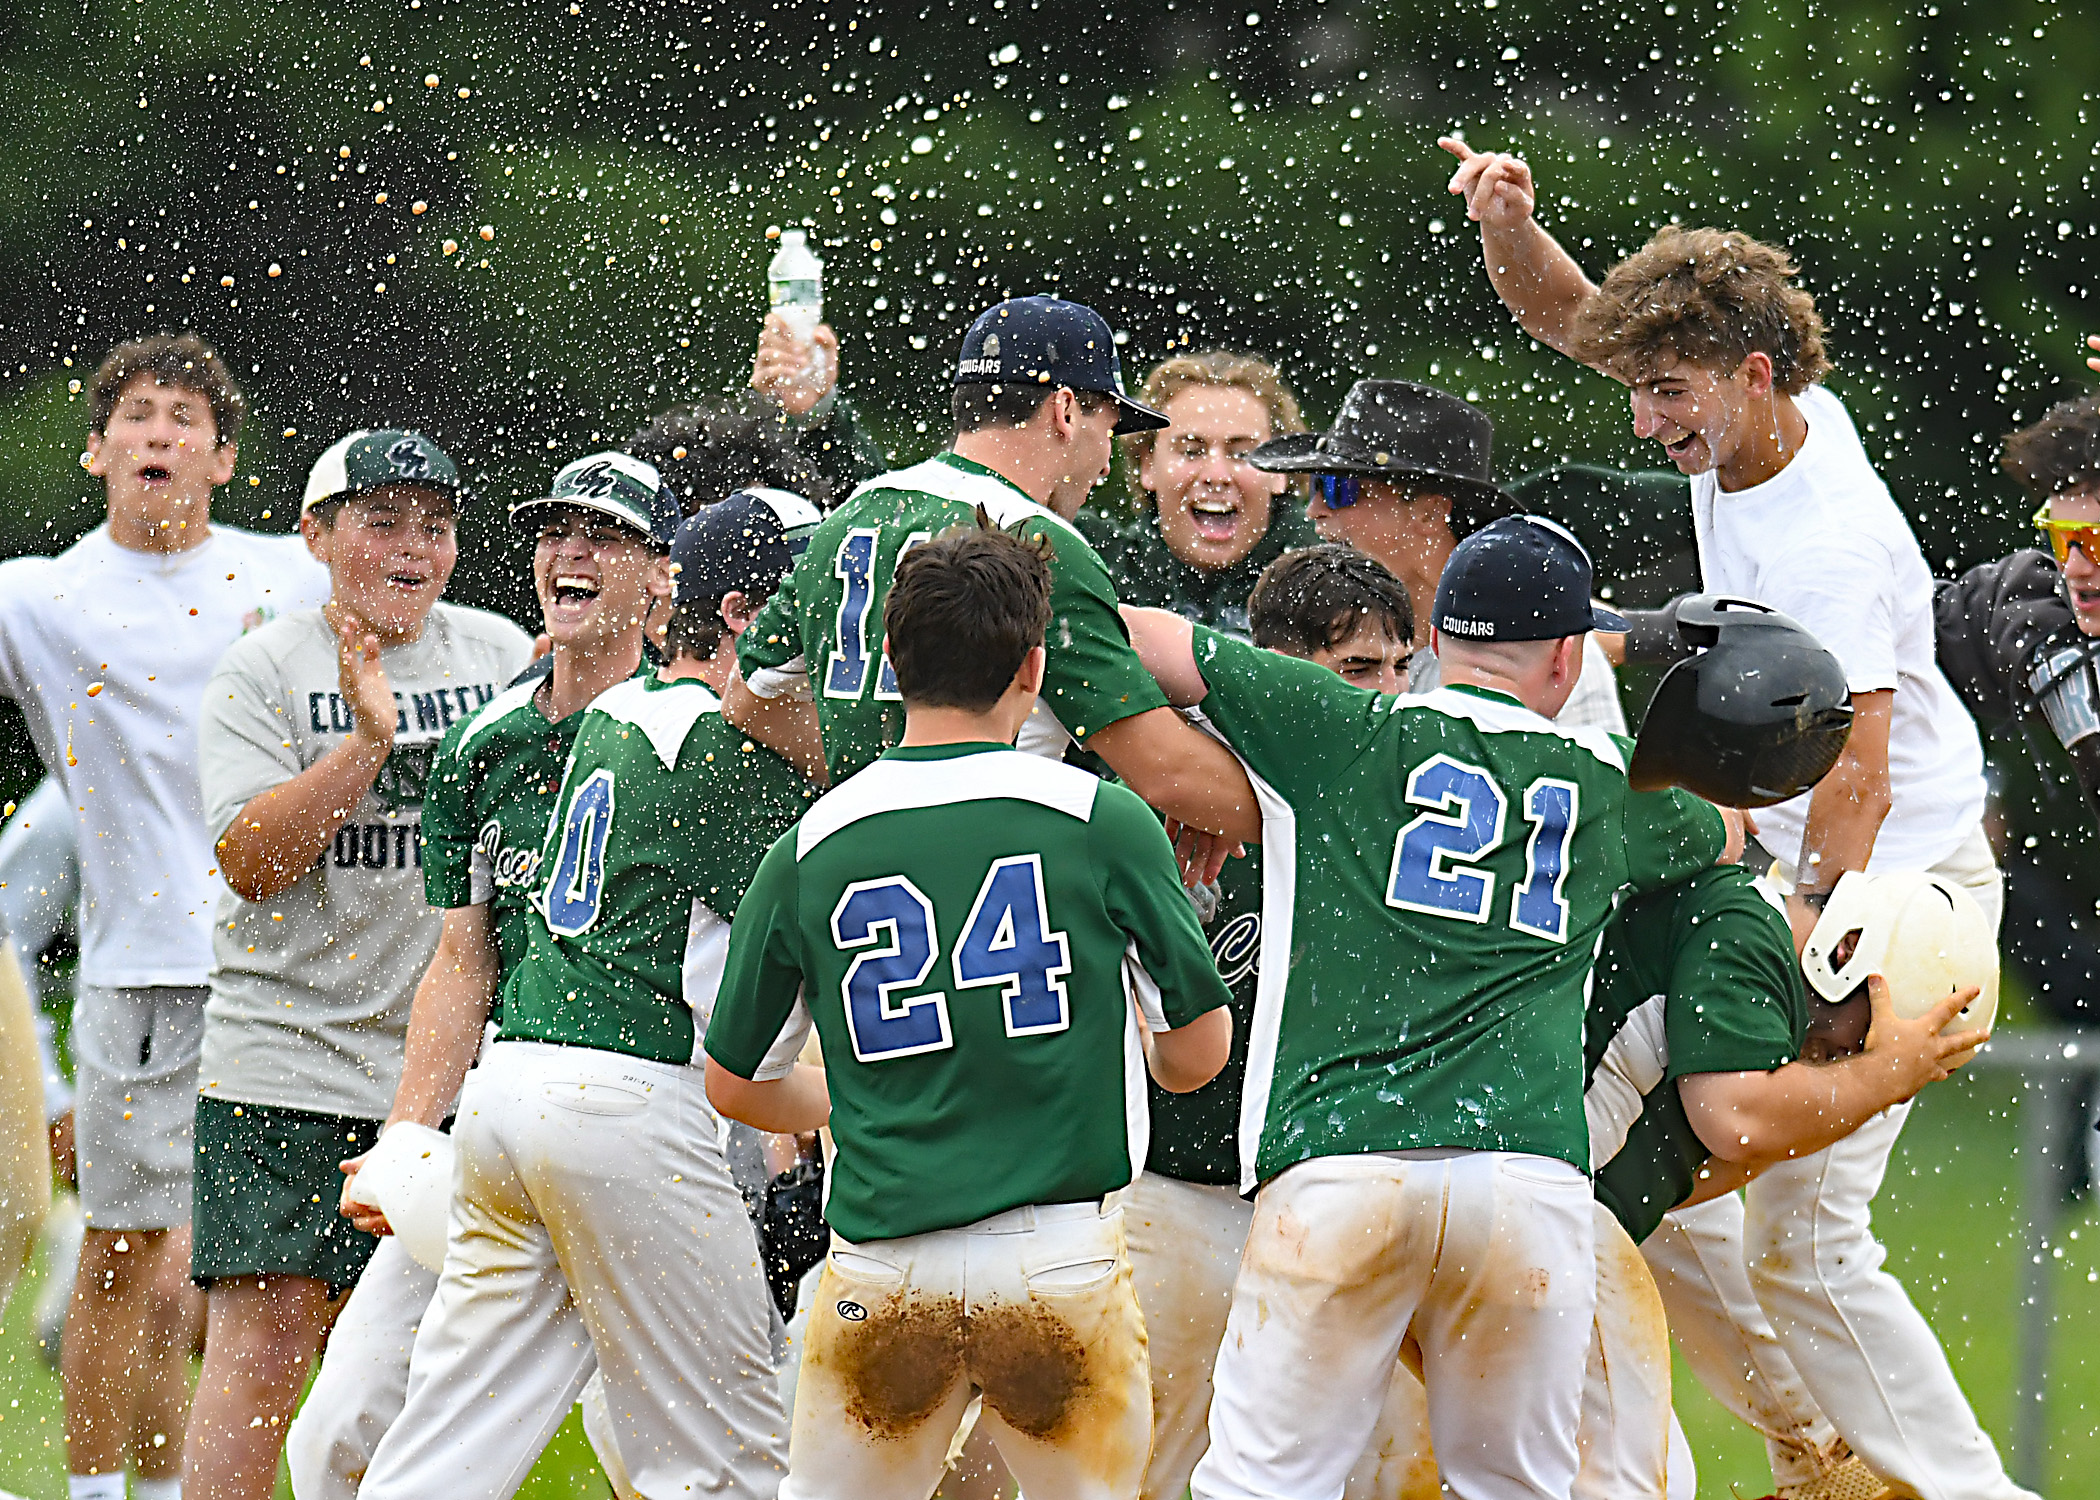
(310, 990)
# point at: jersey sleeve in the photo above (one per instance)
(770, 649)
(1269, 706)
(762, 977)
(1670, 836)
(1146, 899)
(1093, 676)
(451, 861)
(242, 750)
(1735, 1001)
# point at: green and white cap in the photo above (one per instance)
(375, 458)
(614, 484)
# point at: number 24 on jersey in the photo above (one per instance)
(1435, 859)
(891, 928)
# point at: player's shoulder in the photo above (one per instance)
(467, 627)
(899, 783)
(272, 648)
(1502, 724)
(506, 719)
(1724, 905)
(281, 549)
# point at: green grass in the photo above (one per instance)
(1948, 1213)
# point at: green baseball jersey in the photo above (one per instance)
(664, 812)
(822, 631)
(967, 927)
(1195, 1136)
(1697, 978)
(1437, 870)
(485, 808)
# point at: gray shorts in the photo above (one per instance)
(135, 1069)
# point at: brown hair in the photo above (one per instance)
(1711, 297)
(978, 404)
(1212, 367)
(2060, 452)
(711, 449)
(1311, 600)
(963, 611)
(182, 360)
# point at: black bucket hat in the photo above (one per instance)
(1395, 429)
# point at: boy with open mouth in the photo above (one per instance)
(316, 746)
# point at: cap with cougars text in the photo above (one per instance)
(743, 543)
(376, 458)
(1049, 341)
(613, 484)
(1522, 578)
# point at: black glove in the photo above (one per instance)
(792, 1235)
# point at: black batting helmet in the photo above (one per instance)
(1756, 715)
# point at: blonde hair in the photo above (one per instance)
(1211, 367)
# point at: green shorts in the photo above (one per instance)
(264, 1194)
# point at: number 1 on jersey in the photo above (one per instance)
(846, 672)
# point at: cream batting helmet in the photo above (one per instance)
(1922, 933)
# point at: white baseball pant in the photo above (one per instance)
(593, 1215)
(1032, 1308)
(1628, 1437)
(1487, 1256)
(1864, 1351)
(1185, 1241)
(1696, 1255)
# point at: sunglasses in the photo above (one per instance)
(1335, 491)
(2064, 535)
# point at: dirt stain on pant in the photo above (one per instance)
(899, 1363)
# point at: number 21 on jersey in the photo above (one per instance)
(1005, 941)
(1435, 859)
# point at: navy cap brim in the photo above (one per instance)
(1603, 619)
(1134, 416)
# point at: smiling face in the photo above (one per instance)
(596, 579)
(1213, 505)
(160, 458)
(1700, 416)
(389, 553)
(2080, 567)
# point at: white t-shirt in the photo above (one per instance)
(149, 627)
(1823, 541)
(310, 989)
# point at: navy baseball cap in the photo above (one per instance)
(1049, 341)
(1522, 578)
(744, 543)
(614, 484)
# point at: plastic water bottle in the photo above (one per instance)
(795, 284)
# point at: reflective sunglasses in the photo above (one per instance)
(2064, 535)
(1335, 491)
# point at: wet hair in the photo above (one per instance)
(712, 449)
(182, 360)
(2060, 452)
(978, 404)
(963, 612)
(1313, 599)
(1710, 297)
(1211, 367)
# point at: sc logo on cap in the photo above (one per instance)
(409, 459)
